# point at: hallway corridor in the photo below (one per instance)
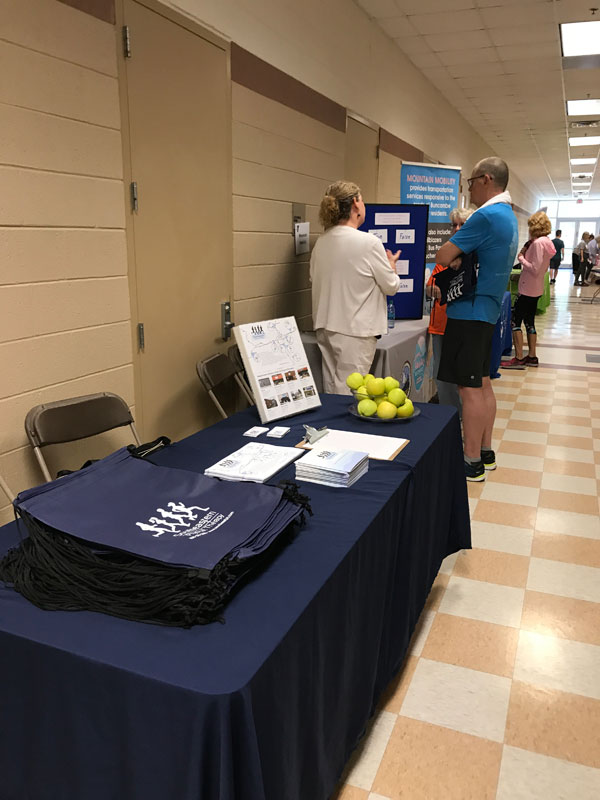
(499, 696)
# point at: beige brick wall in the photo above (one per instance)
(280, 157)
(64, 300)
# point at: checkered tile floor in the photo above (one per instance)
(499, 696)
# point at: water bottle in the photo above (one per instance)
(391, 314)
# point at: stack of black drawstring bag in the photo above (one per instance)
(137, 540)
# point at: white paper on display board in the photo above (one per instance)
(405, 237)
(402, 267)
(380, 233)
(277, 367)
(301, 237)
(392, 218)
(406, 285)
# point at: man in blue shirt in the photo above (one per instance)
(492, 232)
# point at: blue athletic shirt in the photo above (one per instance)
(493, 232)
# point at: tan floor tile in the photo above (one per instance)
(505, 514)
(492, 566)
(516, 477)
(535, 407)
(564, 420)
(554, 723)
(475, 489)
(565, 617)
(428, 762)
(522, 448)
(575, 403)
(571, 441)
(512, 384)
(350, 793)
(567, 501)
(597, 457)
(473, 644)
(393, 696)
(524, 425)
(503, 412)
(437, 592)
(572, 549)
(573, 468)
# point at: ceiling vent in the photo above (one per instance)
(591, 123)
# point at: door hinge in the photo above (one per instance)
(141, 337)
(134, 195)
(126, 42)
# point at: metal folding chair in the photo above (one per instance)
(75, 418)
(234, 355)
(595, 273)
(5, 488)
(214, 371)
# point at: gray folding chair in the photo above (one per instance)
(214, 371)
(234, 354)
(75, 418)
(5, 488)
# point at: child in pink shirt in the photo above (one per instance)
(535, 260)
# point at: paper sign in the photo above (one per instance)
(406, 285)
(402, 267)
(405, 237)
(391, 218)
(301, 233)
(380, 233)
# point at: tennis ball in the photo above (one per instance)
(361, 392)
(375, 386)
(354, 380)
(397, 397)
(406, 409)
(391, 383)
(367, 378)
(386, 410)
(366, 407)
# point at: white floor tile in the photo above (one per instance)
(513, 461)
(571, 411)
(531, 416)
(507, 493)
(532, 776)
(569, 523)
(448, 564)
(421, 633)
(556, 663)
(571, 430)
(366, 758)
(488, 602)
(595, 406)
(567, 580)
(374, 796)
(504, 403)
(569, 454)
(472, 504)
(504, 538)
(561, 395)
(500, 422)
(598, 471)
(567, 483)
(463, 699)
(532, 437)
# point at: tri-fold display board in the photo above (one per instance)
(404, 228)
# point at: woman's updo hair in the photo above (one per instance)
(539, 224)
(337, 203)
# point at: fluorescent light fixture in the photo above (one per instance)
(582, 175)
(581, 161)
(580, 38)
(581, 185)
(583, 141)
(581, 108)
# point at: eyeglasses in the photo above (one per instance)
(470, 181)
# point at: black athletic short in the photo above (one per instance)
(524, 311)
(466, 352)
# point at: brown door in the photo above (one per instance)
(177, 108)
(361, 165)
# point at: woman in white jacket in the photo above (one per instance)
(351, 275)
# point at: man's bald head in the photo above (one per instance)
(496, 168)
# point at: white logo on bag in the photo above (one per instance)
(182, 521)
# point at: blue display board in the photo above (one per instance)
(404, 228)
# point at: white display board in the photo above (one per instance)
(277, 367)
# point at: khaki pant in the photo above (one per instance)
(343, 355)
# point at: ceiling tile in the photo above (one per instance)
(524, 35)
(516, 52)
(578, 82)
(483, 68)
(396, 26)
(475, 58)
(425, 59)
(379, 8)
(447, 22)
(469, 40)
(412, 44)
(433, 6)
(495, 14)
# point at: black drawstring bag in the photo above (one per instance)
(145, 542)
(457, 283)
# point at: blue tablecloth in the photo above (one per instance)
(269, 705)
(502, 338)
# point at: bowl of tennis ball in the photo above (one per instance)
(379, 399)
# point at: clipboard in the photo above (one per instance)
(380, 448)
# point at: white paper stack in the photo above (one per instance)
(332, 467)
(254, 461)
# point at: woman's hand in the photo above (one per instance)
(456, 263)
(434, 291)
(392, 258)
